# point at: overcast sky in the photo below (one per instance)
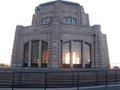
(19, 12)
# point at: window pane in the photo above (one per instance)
(66, 53)
(44, 21)
(87, 54)
(73, 21)
(47, 20)
(44, 52)
(69, 20)
(26, 48)
(65, 20)
(51, 20)
(76, 52)
(35, 53)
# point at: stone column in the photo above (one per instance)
(21, 55)
(40, 48)
(83, 54)
(71, 47)
(29, 54)
(92, 56)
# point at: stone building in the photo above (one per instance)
(60, 37)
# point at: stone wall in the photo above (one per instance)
(57, 32)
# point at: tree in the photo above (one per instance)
(4, 65)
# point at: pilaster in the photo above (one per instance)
(71, 56)
(83, 54)
(40, 49)
(29, 54)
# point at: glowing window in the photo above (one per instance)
(76, 52)
(66, 53)
(71, 54)
(35, 53)
(44, 54)
(87, 55)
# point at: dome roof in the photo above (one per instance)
(64, 2)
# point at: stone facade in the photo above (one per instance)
(56, 23)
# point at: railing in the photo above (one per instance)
(58, 79)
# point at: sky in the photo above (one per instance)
(19, 12)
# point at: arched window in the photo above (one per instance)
(26, 51)
(71, 54)
(39, 54)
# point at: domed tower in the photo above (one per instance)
(60, 37)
